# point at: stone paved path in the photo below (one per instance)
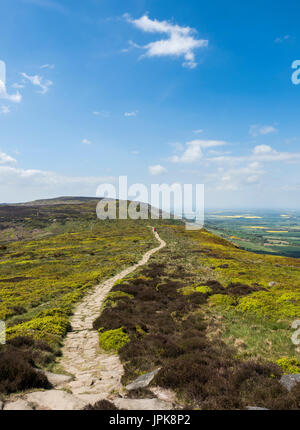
(97, 374)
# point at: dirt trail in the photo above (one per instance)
(97, 374)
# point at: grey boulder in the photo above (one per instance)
(289, 381)
(142, 381)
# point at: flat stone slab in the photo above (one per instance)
(55, 400)
(57, 379)
(143, 404)
(142, 381)
(289, 381)
(18, 405)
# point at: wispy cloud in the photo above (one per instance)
(257, 130)
(48, 66)
(236, 178)
(130, 114)
(38, 81)
(18, 86)
(180, 41)
(268, 154)
(6, 159)
(86, 142)
(102, 113)
(157, 170)
(36, 182)
(51, 178)
(282, 39)
(4, 110)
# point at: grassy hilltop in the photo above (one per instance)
(216, 318)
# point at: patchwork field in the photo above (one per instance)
(270, 232)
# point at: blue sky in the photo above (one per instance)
(158, 90)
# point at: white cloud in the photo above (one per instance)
(47, 177)
(86, 142)
(194, 150)
(262, 149)
(130, 114)
(282, 39)
(135, 152)
(28, 184)
(267, 153)
(180, 41)
(198, 131)
(235, 178)
(38, 81)
(257, 130)
(6, 159)
(260, 153)
(157, 170)
(4, 110)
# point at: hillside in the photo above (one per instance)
(215, 318)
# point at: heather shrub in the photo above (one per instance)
(17, 372)
(102, 405)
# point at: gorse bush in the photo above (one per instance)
(113, 340)
(41, 327)
(223, 300)
(289, 364)
(204, 289)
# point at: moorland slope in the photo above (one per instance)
(215, 318)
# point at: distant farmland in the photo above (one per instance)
(270, 232)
